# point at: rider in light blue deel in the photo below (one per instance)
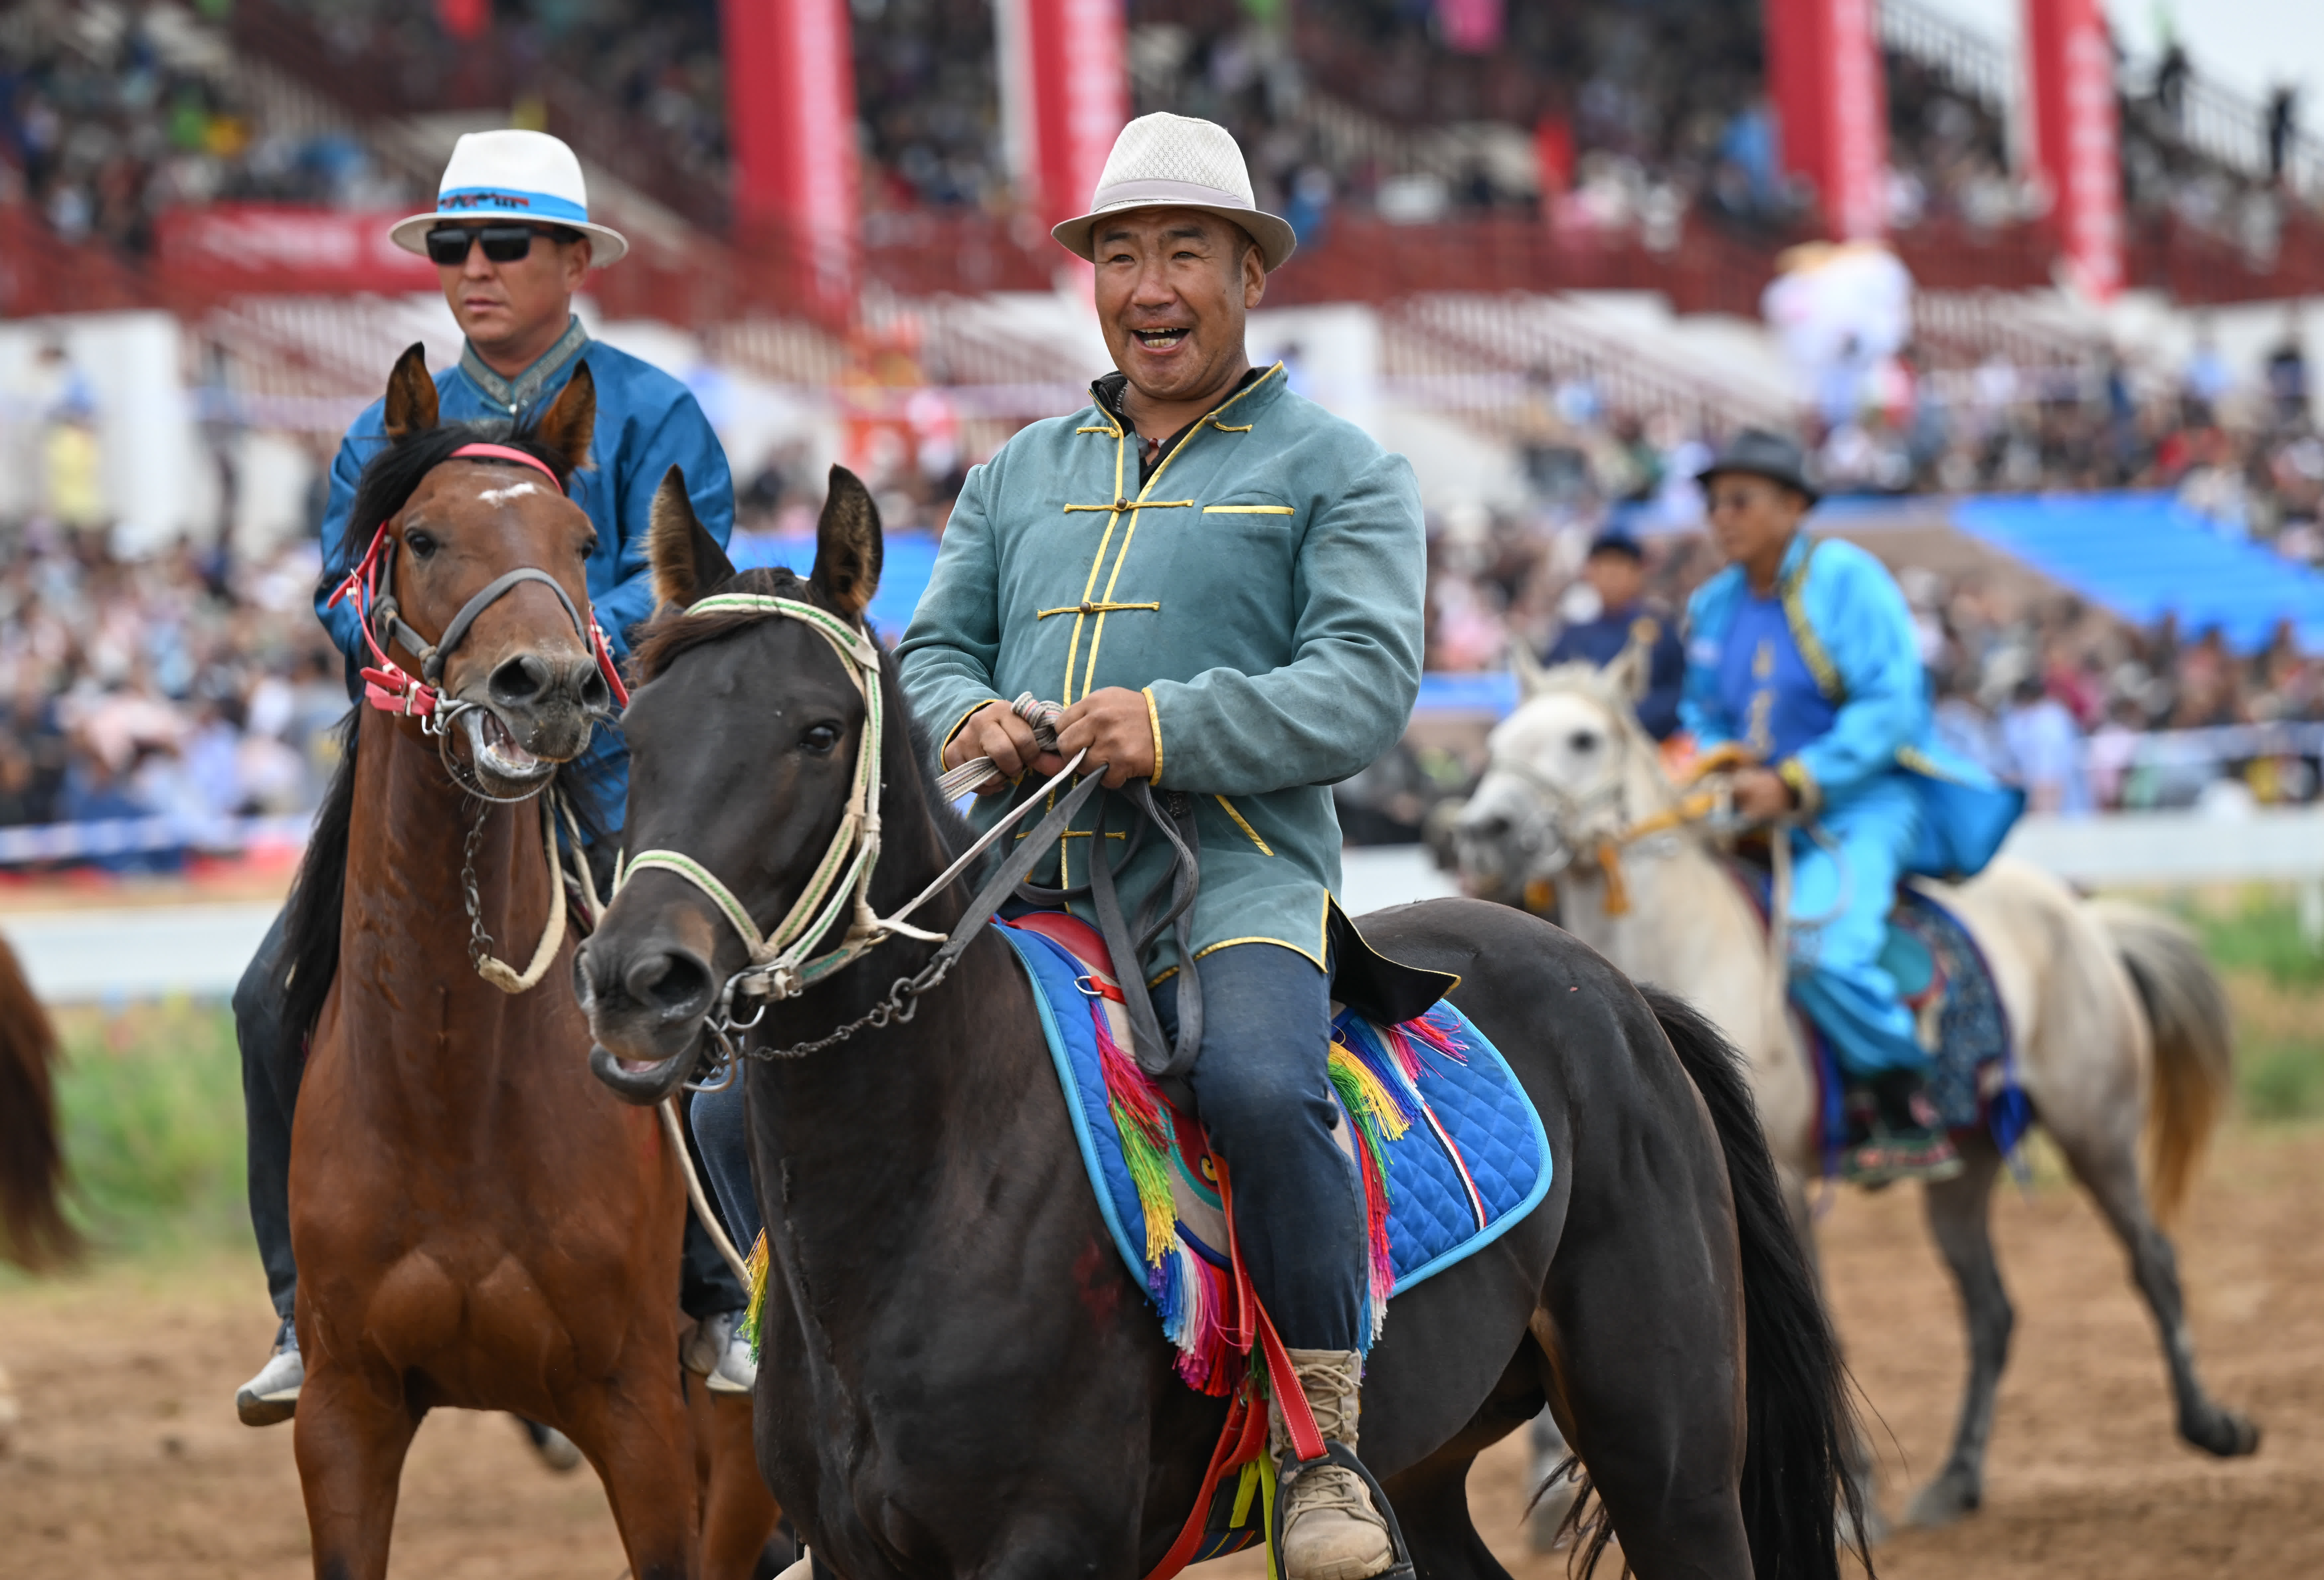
(1802, 653)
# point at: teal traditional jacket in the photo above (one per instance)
(1263, 589)
(1852, 630)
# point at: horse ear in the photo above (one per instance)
(410, 395)
(571, 420)
(1527, 667)
(687, 561)
(847, 546)
(1629, 670)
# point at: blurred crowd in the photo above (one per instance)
(1613, 120)
(176, 686)
(111, 115)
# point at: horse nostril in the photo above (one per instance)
(519, 681)
(676, 985)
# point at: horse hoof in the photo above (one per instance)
(1942, 1501)
(2223, 1432)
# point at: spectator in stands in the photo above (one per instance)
(1616, 571)
(2045, 750)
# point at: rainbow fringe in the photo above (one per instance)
(753, 1328)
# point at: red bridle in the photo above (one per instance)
(387, 686)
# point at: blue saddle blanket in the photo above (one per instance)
(1447, 1142)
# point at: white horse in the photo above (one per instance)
(2120, 1026)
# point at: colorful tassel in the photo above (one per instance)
(753, 1326)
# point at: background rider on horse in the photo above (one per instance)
(511, 240)
(1221, 582)
(1802, 655)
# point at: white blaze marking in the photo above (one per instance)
(501, 496)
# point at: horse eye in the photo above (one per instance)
(1582, 742)
(820, 738)
(420, 544)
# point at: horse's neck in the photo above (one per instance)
(404, 931)
(1688, 927)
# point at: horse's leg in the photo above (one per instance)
(2108, 1166)
(1959, 1214)
(349, 1437)
(636, 1433)
(739, 1514)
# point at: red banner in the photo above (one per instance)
(1826, 77)
(1066, 92)
(2077, 149)
(275, 247)
(790, 115)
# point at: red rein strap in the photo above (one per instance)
(386, 686)
(1244, 1436)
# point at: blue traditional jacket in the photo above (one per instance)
(646, 422)
(1262, 588)
(1833, 694)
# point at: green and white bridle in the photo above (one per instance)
(780, 966)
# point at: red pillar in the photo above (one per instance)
(2076, 148)
(1830, 90)
(1066, 96)
(790, 120)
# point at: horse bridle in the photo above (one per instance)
(389, 688)
(780, 965)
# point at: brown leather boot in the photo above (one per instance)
(1331, 1532)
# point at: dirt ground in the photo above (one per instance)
(130, 1464)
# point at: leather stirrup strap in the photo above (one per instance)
(1282, 1376)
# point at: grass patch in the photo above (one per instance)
(151, 1099)
(2275, 983)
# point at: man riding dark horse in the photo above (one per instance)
(1802, 655)
(1221, 582)
(511, 240)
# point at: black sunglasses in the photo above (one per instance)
(502, 243)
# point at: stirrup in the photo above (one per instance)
(1399, 1565)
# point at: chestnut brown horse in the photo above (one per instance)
(33, 1230)
(477, 1223)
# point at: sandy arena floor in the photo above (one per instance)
(130, 1464)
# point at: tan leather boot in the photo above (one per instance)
(1331, 1532)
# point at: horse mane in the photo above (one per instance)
(33, 1230)
(308, 959)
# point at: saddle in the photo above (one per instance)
(1942, 977)
(1448, 1146)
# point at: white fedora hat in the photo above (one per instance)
(1175, 161)
(512, 176)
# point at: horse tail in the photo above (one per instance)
(2194, 1045)
(33, 1230)
(1797, 1419)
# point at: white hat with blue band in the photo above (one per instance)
(512, 176)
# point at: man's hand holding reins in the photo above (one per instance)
(1761, 795)
(1113, 723)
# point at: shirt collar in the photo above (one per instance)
(513, 395)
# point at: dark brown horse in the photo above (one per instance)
(33, 1230)
(477, 1223)
(963, 1379)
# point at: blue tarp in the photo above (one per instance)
(2142, 555)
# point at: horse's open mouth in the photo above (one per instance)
(497, 752)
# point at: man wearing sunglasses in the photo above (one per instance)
(511, 240)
